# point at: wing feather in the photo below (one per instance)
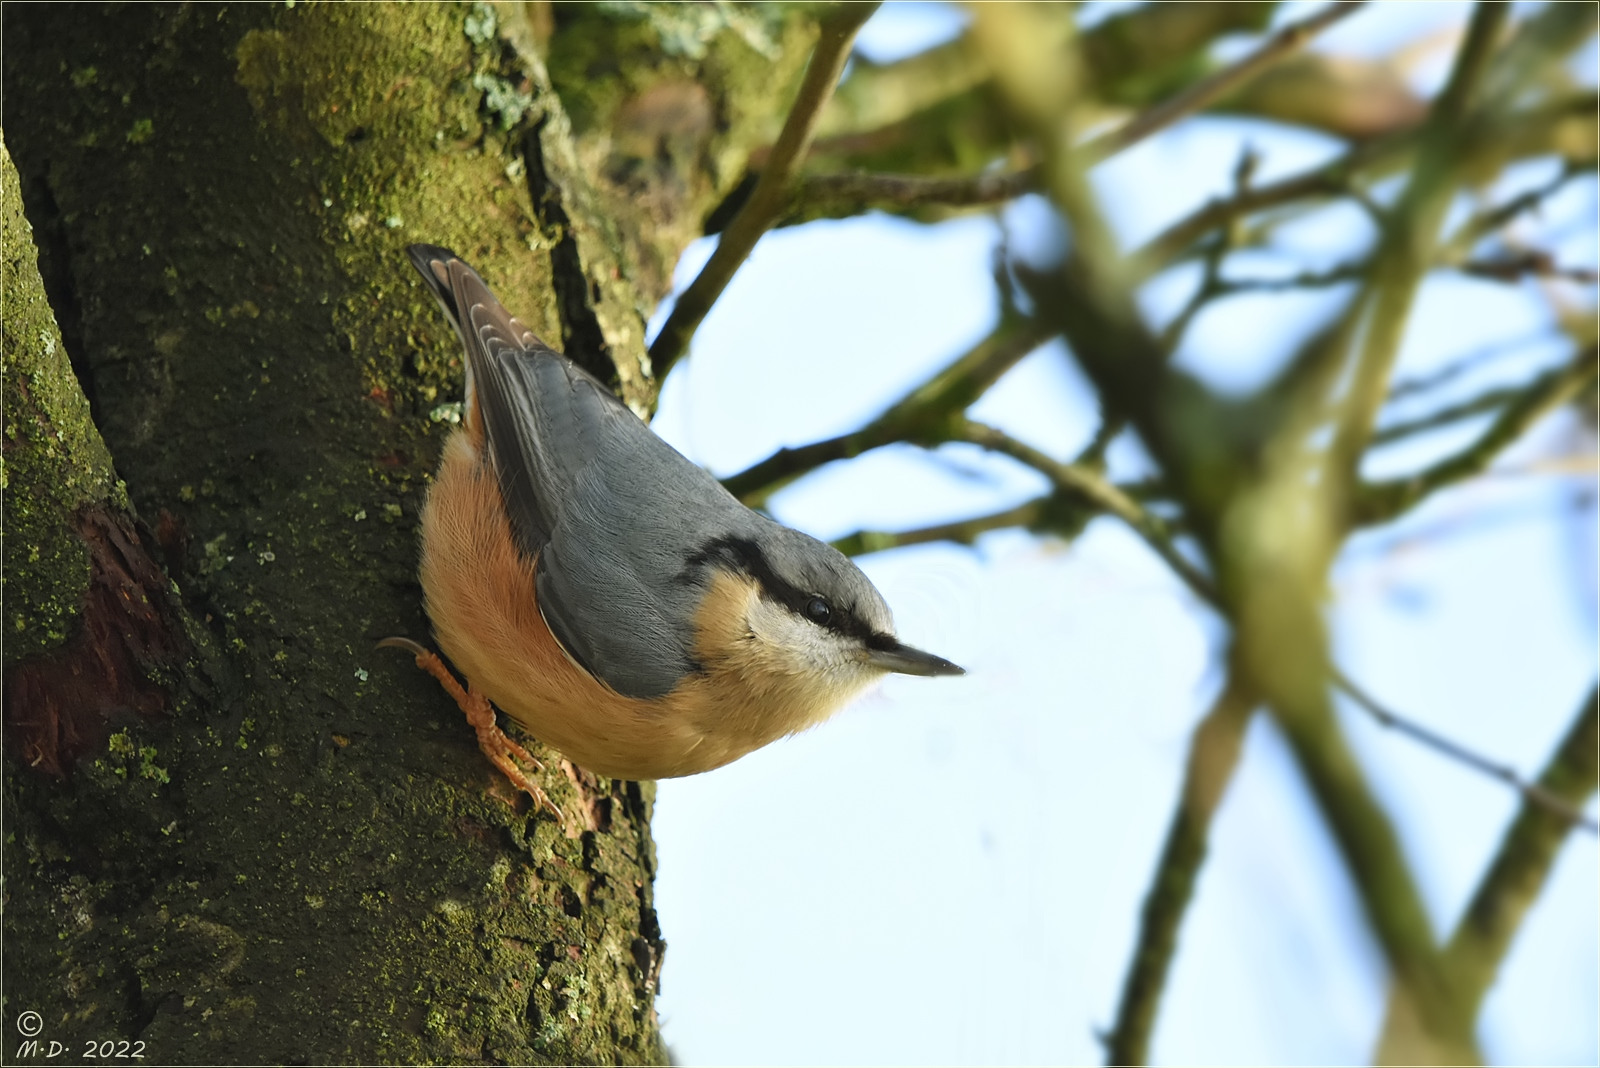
(592, 493)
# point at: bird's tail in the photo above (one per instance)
(487, 330)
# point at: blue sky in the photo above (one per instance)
(950, 871)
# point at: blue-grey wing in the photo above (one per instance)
(622, 513)
(611, 512)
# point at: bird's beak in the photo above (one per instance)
(908, 661)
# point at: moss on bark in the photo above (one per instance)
(54, 461)
(309, 860)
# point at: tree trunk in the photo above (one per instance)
(252, 835)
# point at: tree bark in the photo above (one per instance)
(281, 844)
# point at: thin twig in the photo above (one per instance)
(1273, 577)
(920, 416)
(1030, 515)
(1213, 756)
(1532, 793)
(1526, 853)
(1533, 263)
(1488, 401)
(1512, 882)
(1208, 91)
(1330, 179)
(1410, 241)
(1093, 487)
(1487, 222)
(771, 194)
(1380, 502)
(837, 196)
(1470, 362)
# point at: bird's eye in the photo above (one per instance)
(819, 611)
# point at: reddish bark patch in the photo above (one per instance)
(172, 534)
(66, 703)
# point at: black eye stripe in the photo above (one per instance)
(744, 555)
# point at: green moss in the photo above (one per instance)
(55, 461)
(362, 129)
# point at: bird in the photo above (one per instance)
(606, 592)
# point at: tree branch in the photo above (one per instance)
(1375, 158)
(1209, 90)
(1031, 515)
(1480, 225)
(1330, 179)
(1525, 856)
(920, 416)
(1511, 884)
(843, 195)
(1380, 502)
(838, 196)
(1213, 756)
(1532, 793)
(1094, 489)
(771, 194)
(1409, 242)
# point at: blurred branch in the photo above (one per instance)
(1094, 489)
(1532, 793)
(1410, 238)
(1130, 58)
(882, 94)
(1488, 401)
(1535, 131)
(837, 31)
(1269, 530)
(1525, 856)
(1036, 514)
(1471, 361)
(1459, 244)
(838, 196)
(1209, 90)
(1213, 757)
(1512, 882)
(1342, 95)
(1379, 502)
(1534, 263)
(1331, 179)
(843, 195)
(921, 416)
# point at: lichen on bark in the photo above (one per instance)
(307, 858)
(54, 461)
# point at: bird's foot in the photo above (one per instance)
(495, 743)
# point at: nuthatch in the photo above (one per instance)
(608, 594)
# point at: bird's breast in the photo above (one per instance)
(480, 595)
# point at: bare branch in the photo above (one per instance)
(1512, 882)
(771, 194)
(1272, 572)
(1331, 179)
(1379, 502)
(1031, 515)
(1213, 756)
(1526, 853)
(837, 196)
(1478, 226)
(1488, 401)
(1532, 793)
(1533, 263)
(920, 416)
(1410, 239)
(1093, 488)
(1536, 130)
(1209, 90)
